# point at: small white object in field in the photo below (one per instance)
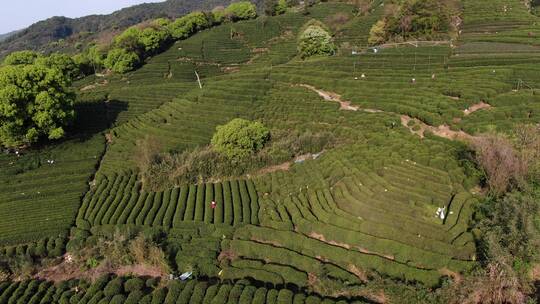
(363, 75)
(186, 275)
(355, 78)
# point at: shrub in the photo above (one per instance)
(121, 60)
(158, 296)
(314, 39)
(275, 7)
(114, 287)
(118, 299)
(133, 284)
(240, 138)
(504, 167)
(134, 297)
(377, 33)
(242, 10)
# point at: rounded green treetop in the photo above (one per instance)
(240, 138)
(121, 60)
(34, 102)
(243, 10)
(315, 40)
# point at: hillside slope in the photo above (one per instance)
(42, 35)
(345, 223)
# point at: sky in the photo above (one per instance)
(19, 14)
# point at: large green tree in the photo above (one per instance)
(240, 138)
(35, 103)
(315, 39)
(242, 10)
(21, 58)
(184, 27)
(62, 62)
(121, 60)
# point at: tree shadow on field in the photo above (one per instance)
(95, 117)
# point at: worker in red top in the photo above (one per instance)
(213, 204)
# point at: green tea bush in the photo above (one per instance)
(134, 297)
(118, 299)
(114, 287)
(133, 284)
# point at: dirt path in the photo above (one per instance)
(441, 131)
(475, 107)
(68, 270)
(330, 96)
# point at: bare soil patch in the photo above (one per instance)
(281, 167)
(454, 275)
(476, 107)
(95, 85)
(330, 96)
(67, 270)
(441, 131)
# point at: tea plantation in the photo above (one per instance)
(320, 228)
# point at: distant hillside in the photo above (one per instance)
(7, 35)
(61, 33)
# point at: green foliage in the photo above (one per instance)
(114, 287)
(153, 39)
(314, 39)
(184, 27)
(510, 228)
(240, 138)
(416, 19)
(21, 58)
(242, 10)
(377, 33)
(64, 63)
(34, 103)
(121, 60)
(275, 7)
(129, 40)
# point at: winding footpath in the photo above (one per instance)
(441, 131)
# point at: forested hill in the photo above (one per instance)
(63, 34)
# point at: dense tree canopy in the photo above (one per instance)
(240, 138)
(153, 39)
(62, 62)
(242, 10)
(34, 103)
(275, 7)
(315, 40)
(121, 60)
(416, 19)
(21, 57)
(184, 27)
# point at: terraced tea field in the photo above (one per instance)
(318, 228)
